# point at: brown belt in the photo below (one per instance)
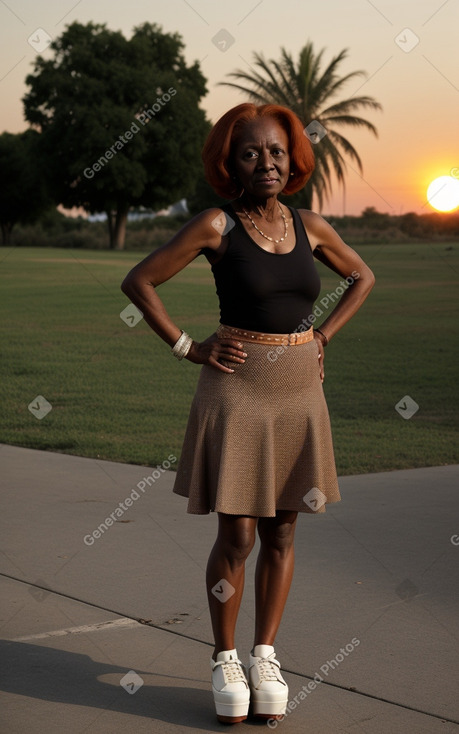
(231, 332)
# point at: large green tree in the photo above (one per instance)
(23, 194)
(312, 92)
(119, 119)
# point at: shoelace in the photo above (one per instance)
(232, 671)
(267, 669)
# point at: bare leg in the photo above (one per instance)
(274, 572)
(235, 540)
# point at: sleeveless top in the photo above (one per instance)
(263, 291)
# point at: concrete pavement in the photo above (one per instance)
(108, 630)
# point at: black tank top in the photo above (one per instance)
(263, 291)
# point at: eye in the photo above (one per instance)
(278, 151)
(250, 154)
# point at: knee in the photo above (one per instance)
(237, 546)
(278, 539)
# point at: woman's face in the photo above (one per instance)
(261, 159)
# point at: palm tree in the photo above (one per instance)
(309, 92)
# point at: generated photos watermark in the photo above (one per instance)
(143, 118)
(131, 682)
(223, 40)
(39, 40)
(407, 407)
(325, 301)
(223, 590)
(124, 506)
(406, 40)
(406, 590)
(317, 680)
(315, 499)
(40, 407)
(223, 223)
(315, 132)
(131, 315)
(37, 591)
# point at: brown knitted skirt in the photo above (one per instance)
(258, 440)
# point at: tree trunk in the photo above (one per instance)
(109, 214)
(118, 232)
(6, 232)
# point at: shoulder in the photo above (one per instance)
(313, 221)
(210, 226)
(319, 231)
(207, 217)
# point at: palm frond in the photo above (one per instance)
(349, 120)
(341, 142)
(347, 105)
(308, 90)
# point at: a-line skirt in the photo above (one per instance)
(258, 440)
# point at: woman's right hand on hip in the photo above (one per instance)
(213, 349)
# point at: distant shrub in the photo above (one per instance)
(56, 230)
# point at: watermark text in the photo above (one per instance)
(91, 538)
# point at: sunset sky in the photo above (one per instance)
(408, 48)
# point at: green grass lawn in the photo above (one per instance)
(117, 393)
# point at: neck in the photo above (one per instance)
(266, 208)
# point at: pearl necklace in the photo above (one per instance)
(265, 235)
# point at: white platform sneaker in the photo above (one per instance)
(269, 691)
(230, 688)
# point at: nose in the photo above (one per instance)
(265, 162)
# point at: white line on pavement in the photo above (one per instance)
(111, 624)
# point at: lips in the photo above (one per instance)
(267, 180)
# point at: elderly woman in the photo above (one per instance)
(258, 447)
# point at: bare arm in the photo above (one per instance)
(330, 249)
(140, 287)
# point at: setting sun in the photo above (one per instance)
(443, 193)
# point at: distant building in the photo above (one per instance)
(137, 215)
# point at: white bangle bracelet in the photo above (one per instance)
(182, 346)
